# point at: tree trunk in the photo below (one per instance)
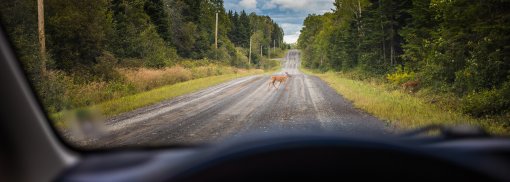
(360, 23)
(392, 43)
(383, 34)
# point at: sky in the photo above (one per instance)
(289, 14)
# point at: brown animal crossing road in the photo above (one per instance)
(245, 105)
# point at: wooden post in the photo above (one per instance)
(42, 37)
(216, 33)
(249, 56)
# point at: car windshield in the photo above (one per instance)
(124, 73)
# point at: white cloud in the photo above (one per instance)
(290, 39)
(248, 4)
(307, 5)
(287, 4)
(291, 28)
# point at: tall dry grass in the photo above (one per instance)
(145, 79)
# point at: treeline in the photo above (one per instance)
(457, 46)
(80, 35)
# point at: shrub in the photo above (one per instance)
(401, 75)
(104, 69)
(86, 94)
(194, 63)
(52, 90)
(269, 64)
(131, 63)
(220, 54)
(488, 102)
(239, 59)
(156, 53)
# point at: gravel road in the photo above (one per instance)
(245, 105)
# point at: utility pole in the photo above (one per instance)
(42, 37)
(216, 33)
(249, 56)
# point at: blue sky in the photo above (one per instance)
(289, 14)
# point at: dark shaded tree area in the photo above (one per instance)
(244, 26)
(457, 46)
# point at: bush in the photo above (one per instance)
(156, 53)
(59, 91)
(489, 102)
(220, 54)
(194, 63)
(240, 59)
(104, 69)
(401, 75)
(52, 90)
(86, 94)
(131, 63)
(269, 64)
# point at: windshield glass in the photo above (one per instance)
(115, 73)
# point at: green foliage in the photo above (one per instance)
(220, 54)
(488, 102)
(241, 29)
(240, 58)
(19, 23)
(77, 35)
(159, 17)
(268, 64)
(105, 67)
(51, 91)
(157, 55)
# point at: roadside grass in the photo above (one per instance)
(132, 102)
(401, 110)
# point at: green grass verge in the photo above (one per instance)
(132, 102)
(402, 110)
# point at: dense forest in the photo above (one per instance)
(456, 48)
(87, 41)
